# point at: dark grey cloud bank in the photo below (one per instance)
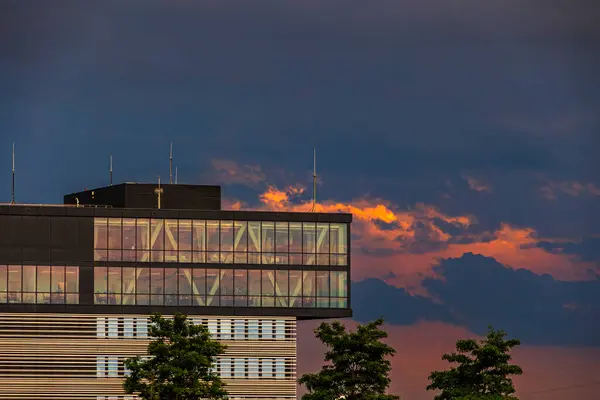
(398, 96)
(475, 291)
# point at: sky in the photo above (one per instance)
(462, 136)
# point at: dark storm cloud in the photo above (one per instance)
(476, 291)
(398, 96)
(588, 249)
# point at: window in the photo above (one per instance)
(39, 284)
(181, 286)
(220, 241)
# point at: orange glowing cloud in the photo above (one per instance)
(408, 243)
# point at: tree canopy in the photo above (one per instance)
(358, 367)
(179, 363)
(482, 370)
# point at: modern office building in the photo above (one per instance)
(79, 280)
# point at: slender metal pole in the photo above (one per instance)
(111, 172)
(12, 200)
(176, 175)
(171, 164)
(314, 203)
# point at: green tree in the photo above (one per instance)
(482, 370)
(178, 365)
(358, 367)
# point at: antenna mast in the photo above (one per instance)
(12, 200)
(111, 171)
(314, 202)
(171, 164)
(176, 175)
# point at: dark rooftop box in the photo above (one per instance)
(144, 195)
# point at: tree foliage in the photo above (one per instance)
(482, 370)
(179, 362)
(358, 368)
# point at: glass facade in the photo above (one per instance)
(220, 287)
(39, 284)
(220, 241)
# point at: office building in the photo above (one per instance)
(78, 281)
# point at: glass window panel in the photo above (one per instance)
(225, 328)
(339, 303)
(338, 283)
(143, 280)
(58, 279)
(253, 329)
(240, 236)
(279, 329)
(3, 278)
(142, 299)
(157, 234)
(323, 283)
(114, 280)
(227, 282)
(212, 235)
(267, 368)
(323, 238)
(14, 278)
(142, 239)
(309, 237)
(240, 258)
(295, 229)
(295, 259)
(322, 259)
(241, 282)
(129, 279)
(282, 258)
(199, 235)
(212, 281)
(226, 257)
(43, 279)
(254, 236)
(185, 240)
(308, 283)
(100, 233)
(268, 258)
(268, 301)
(72, 279)
(308, 259)
(129, 239)
(212, 257)
(29, 278)
(254, 282)
(239, 368)
(114, 233)
(253, 368)
(72, 299)
(339, 238)
(267, 328)
(323, 302)
(226, 235)
(268, 278)
(170, 280)
(185, 279)
(339, 260)
(157, 281)
(295, 283)
(171, 239)
(268, 237)
(281, 237)
(199, 281)
(282, 283)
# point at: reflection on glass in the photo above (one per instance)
(268, 237)
(224, 242)
(212, 236)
